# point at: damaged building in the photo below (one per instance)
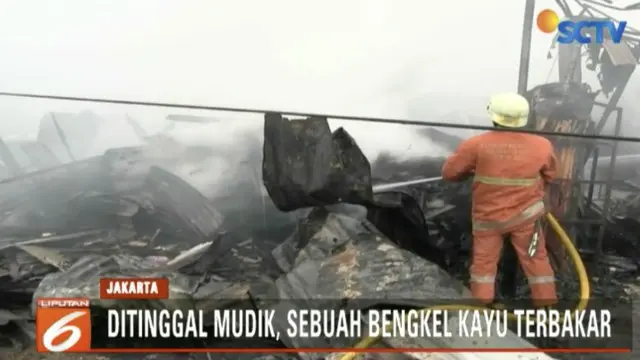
(332, 232)
(320, 223)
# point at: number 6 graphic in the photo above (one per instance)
(60, 327)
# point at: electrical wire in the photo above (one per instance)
(328, 116)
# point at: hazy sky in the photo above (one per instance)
(344, 56)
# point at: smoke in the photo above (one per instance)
(222, 159)
(214, 157)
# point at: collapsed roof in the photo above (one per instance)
(126, 213)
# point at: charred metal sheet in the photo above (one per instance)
(179, 209)
(299, 172)
(354, 260)
(25, 262)
(306, 165)
(335, 260)
(46, 256)
(400, 217)
(231, 256)
(34, 203)
(53, 220)
(82, 278)
(24, 272)
(67, 196)
(446, 208)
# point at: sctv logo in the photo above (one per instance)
(583, 32)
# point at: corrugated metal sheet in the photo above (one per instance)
(338, 260)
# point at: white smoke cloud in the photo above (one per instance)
(369, 58)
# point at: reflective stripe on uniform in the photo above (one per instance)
(541, 280)
(490, 180)
(484, 279)
(527, 214)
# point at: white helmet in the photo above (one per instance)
(509, 110)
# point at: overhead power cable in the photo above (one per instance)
(328, 116)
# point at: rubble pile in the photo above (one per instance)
(124, 214)
(333, 241)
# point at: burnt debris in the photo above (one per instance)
(307, 165)
(321, 234)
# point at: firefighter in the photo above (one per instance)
(510, 173)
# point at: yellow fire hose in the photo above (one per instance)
(575, 257)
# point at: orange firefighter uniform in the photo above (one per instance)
(509, 172)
